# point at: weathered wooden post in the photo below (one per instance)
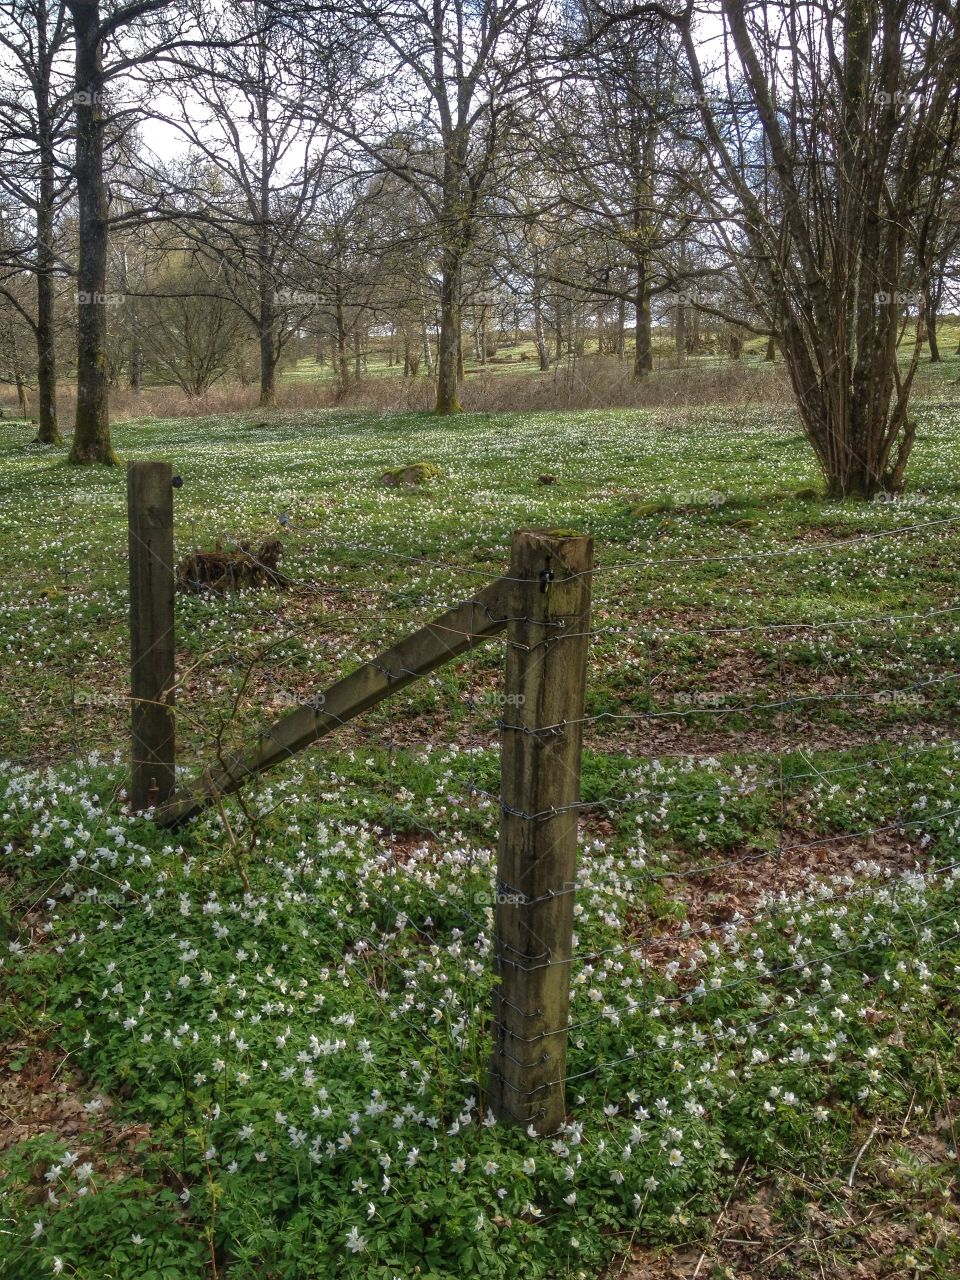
(541, 738)
(152, 661)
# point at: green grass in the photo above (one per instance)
(654, 489)
(269, 1012)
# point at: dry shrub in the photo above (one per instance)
(171, 402)
(608, 383)
(595, 382)
(592, 383)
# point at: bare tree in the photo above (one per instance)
(35, 109)
(853, 103)
(241, 90)
(611, 143)
(193, 333)
(443, 83)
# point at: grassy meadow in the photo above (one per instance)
(257, 1046)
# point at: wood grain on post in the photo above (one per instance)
(152, 654)
(540, 789)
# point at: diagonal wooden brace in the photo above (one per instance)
(455, 632)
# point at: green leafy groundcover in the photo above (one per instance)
(307, 1053)
(301, 1053)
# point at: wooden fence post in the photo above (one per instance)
(541, 738)
(152, 669)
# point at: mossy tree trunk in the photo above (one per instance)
(91, 437)
(448, 347)
(643, 347)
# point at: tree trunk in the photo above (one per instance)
(449, 354)
(771, 353)
(539, 332)
(861, 470)
(136, 366)
(91, 436)
(267, 318)
(268, 357)
(357, 353)
(267, 325)
(861, 443)
(605, 339)
(680, 333)
(643, 356)
(343, 366)
(132, 326)
(16, 368)
(578, 337)
(480, 336)
(425, 337)
(48, 431)
(455, 234)
(620, 337)
(931, 318)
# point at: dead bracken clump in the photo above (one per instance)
(220, 570)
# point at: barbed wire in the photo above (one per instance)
(640, 562)
(803, 1007)
(413, 896)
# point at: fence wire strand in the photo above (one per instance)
(409, 892)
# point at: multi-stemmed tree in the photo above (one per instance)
(845, 110)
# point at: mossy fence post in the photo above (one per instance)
(541, 737)
(152, 655)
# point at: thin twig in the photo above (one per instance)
(870, 1138)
